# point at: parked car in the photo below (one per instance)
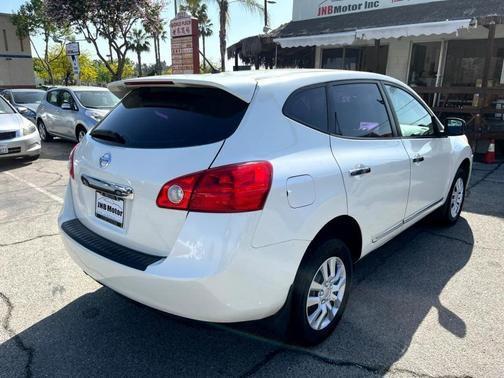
(26, 101)
(70, 112)
(234, 196)
(18, 136)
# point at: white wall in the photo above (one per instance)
(398, 59)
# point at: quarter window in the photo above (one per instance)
(52, 98)
(414, 119)
(359, 111)
(308, 106)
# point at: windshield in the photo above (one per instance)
(97, 99)
(5, 108)
(28, 97)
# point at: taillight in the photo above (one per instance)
(71, 162)
(227, 189)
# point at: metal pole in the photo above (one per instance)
(176, 7)
(265, 13)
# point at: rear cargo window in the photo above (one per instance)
(171, 118)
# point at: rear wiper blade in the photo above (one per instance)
(108, 135)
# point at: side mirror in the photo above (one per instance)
(22, 109)
(66, 106)
(455, 126)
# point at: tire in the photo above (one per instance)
(449, 213)
(31, 158)
(306, 327)
(80, 133)
(44, 134)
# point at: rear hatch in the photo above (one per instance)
(157, 133)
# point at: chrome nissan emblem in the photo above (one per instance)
(105, 160)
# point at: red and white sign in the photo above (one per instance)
(305, 9)
(185, 44)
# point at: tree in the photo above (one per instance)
(156, 27)
(224, 16)
(139, 44)
(61, 68)
(32, 19)
(111, 20)
(200, 11)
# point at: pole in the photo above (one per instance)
(176, 7)
(265, 13)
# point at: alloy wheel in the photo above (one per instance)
(326, 293)
(457, 197)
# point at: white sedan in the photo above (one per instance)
(18, 136)
(231, 197)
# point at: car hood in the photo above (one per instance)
(10, 122)
(32, 107)
(102, 112)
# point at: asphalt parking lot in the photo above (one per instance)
(429, 303)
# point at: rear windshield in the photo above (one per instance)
(172, 117)
(34, 97)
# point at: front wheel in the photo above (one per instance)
(449, 213)
(320, 292)
(44, 134)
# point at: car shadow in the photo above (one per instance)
(394, 289)
(57, 149)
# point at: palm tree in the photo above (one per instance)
(139, 43)
(200, 11)
(223, 5)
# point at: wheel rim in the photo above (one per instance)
(81, 135)
(42, 131)
(326, 293)
(457, 197)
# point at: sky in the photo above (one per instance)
(243, 24)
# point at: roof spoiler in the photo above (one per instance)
(243, 88)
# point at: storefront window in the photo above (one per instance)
(356, 59)
(424, 64)
(466, 61)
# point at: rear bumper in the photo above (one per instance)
(22, 146)
(226, 282)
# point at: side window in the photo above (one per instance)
(359, 111)
(67, 97)
(414, 119)
(308, 106)
(52, 98)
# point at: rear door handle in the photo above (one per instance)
(418, 159)
(360, 171)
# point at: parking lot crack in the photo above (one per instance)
(453, 238)
(254, 369)
(6, 326)
(27, 240)
(487, 175)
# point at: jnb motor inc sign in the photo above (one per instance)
(304, 9)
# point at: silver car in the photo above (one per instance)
(18, 136)
(70, 112)
(26, 101)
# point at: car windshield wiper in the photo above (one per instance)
(107, 135)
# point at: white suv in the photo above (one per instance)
(226, 197)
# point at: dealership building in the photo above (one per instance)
(450, 51)
(16, 64)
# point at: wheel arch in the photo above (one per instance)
(78, 127)
(466, 166)
(343, 227)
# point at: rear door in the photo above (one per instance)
(373, 161)
(152, 137)
(429, 153)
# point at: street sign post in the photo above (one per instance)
(73, 52)
(185, 44)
